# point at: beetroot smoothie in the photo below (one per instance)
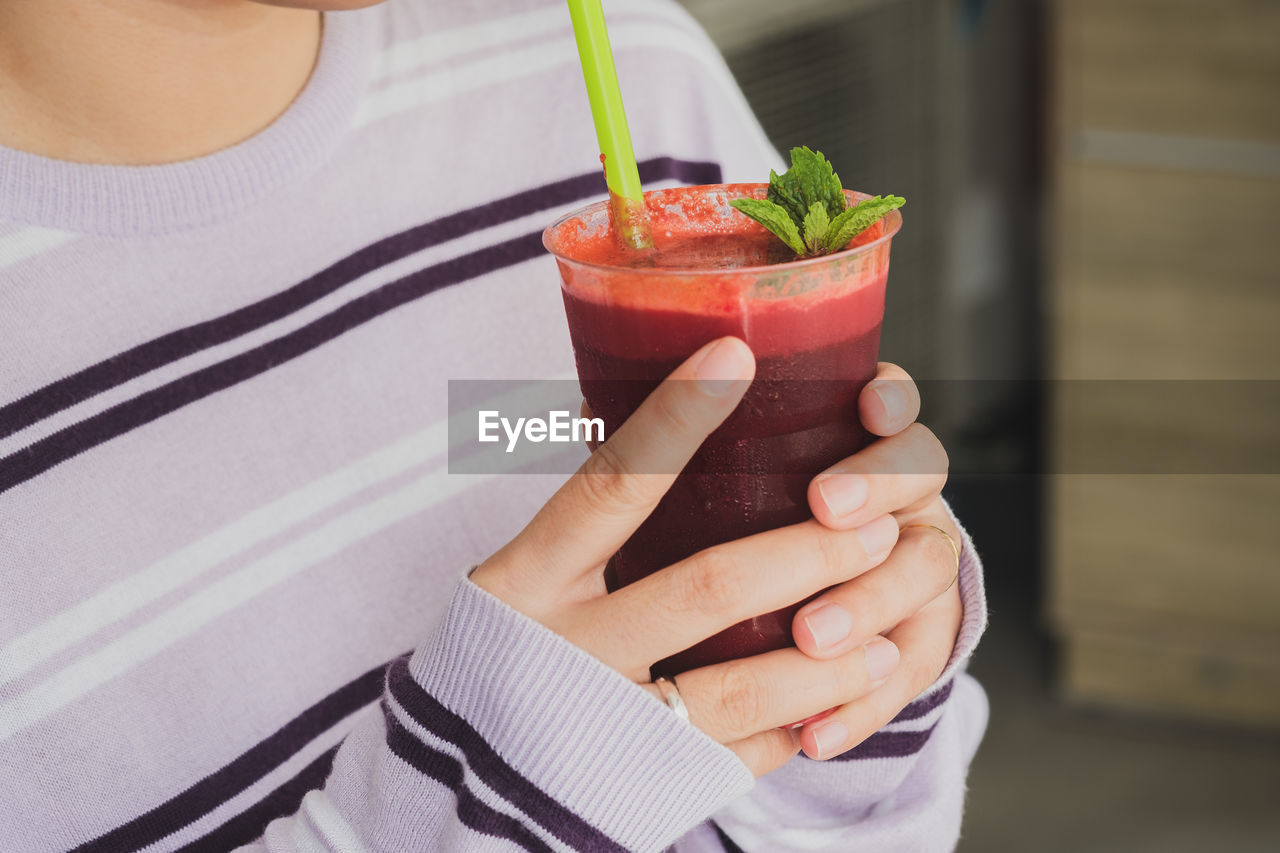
(814, 326)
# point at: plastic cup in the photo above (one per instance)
(814, 326)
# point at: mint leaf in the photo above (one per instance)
(810, 179)
(857, 219)
(818, 180)
(816, 223)
(784, 191)
(808, 200)
(774, 217)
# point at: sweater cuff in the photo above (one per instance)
(973, 597)
(583, 752)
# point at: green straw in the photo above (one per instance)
(620, 173)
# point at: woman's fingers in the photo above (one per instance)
(895, 474)
(922, 566)
(767, 751)
(747, 704)
(683, 604)
(762, 752)
(615, 490)
(924, 642)
(889, 403)
(735, 700)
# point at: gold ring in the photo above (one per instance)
(954, 547)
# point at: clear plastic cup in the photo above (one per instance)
(813, 325)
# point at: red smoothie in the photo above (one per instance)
(814, 326)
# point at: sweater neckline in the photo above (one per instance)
(139, 200)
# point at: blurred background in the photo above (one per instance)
(1094, 194)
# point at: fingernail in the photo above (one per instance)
(793, 733)
(894, 399)
(878, 536)
(829, 738)
(828, 624)
(844, 494)
(882, 658)
(720, 368)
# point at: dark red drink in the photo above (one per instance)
(814, 326)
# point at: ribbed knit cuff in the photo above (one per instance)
(973, 596)
(597, 744)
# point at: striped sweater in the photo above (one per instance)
(232, 557)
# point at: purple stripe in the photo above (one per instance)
(725, 841)
(80, 437)
(888, 745)
(920, 707)
(501, 777)
(885, 744)
(85, 435)
(252, 822)
(447, 770)
(156, 353)
(233, 779)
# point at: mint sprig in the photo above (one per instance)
(806, 207)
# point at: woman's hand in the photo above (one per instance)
(552, 572)
(911, 598)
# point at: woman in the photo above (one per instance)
(243, 248)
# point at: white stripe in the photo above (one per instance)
(182, 567)
(296, 835)
(361, 286)
(434, 48)
(258, 791)
(331, 302)
(197, 610)
(318, 810)
(303, 838)
(754, 828)
(173, 370)
(127, 595)
(521, 63)
(29, 242)
(474, 783)
(438, 46)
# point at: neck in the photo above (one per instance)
(139, 82)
